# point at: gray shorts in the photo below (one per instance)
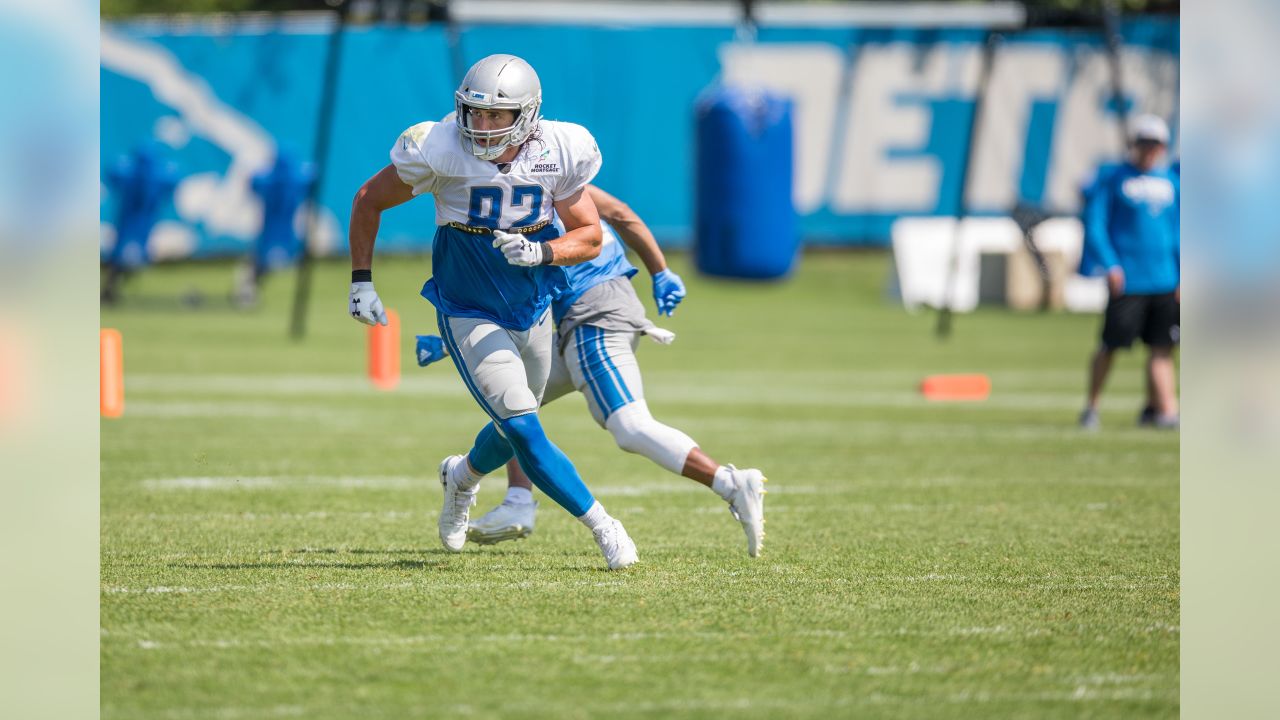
(505, 370)
(601, 364)
(611, 305)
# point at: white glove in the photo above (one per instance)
(660, 335)
(365, 305)
(518, 249)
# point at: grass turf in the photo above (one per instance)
(269, 545)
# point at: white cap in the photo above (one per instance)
(1151, 128)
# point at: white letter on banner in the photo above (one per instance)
(809, 74)
(1087, 132)
(1020, 75)
(881, 121)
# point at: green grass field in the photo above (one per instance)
(269, 545)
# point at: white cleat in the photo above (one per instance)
(457, 505)
(508, 521)
(619, 551)
(747, 506)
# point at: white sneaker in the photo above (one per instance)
(619, 551)
(457, 505)
(747, 505)
(508, 521)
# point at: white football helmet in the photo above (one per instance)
(503, 82)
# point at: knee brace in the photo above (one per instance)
(636, 431)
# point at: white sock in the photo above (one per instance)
(518, 496)
(465, 476)
(722, 483)
(595, 517)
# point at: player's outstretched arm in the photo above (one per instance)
(382, 191)
(630, 228)
(668, 288)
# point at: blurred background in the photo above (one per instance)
(833, 180)
(893, 110)
(198, 98)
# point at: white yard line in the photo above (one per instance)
(585, 640)
(270, 482)
(424, 482)
(721, 390)
(213, 589)
(311, 414)
(247, 516)
(779, 706)
(236, 712)
(286, 385)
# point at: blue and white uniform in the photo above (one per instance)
(609, 264)
(492, 314)
(472, 278)
(600, 320)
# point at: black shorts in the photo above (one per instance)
(1154, 318)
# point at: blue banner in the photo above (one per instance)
(882, 116)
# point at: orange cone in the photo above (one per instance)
(111, 377)
(956, 387)
(384, 353)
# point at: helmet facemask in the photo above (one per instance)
(501, 138)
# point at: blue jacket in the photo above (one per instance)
(1131, 221)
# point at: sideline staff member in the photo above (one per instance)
(1132, 234)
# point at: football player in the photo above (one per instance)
(497, 171)
(599, 323)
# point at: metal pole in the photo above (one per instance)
(943, 327)
(1114, 43)
(324, 131)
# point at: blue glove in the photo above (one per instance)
(668, 291)
(430, 349)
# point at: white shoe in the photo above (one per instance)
(508, 521)
(457, 505)
(619, 551)
(747, 505)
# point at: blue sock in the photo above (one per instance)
(490, 452)
(546, 465)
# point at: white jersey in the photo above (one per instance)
(471, 277)
(429, 157)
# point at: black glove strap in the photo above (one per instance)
(547, 255)
(361, 276)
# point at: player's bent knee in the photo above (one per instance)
(524, 431)
(636, 431)
(518, 400)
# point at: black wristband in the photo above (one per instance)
(547, 255)
(361, 276)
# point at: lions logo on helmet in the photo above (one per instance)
(498, 82)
